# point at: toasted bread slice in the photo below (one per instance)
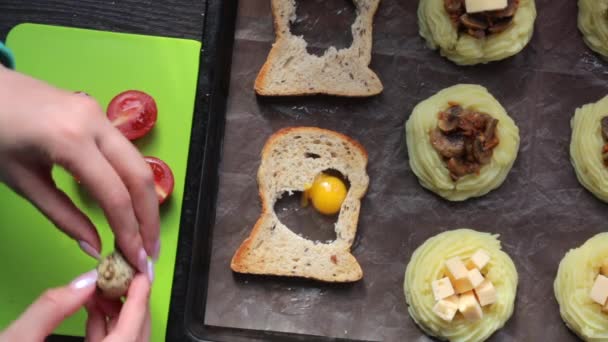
(291, 159)
(291, 70)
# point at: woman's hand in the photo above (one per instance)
(41, 126)
(114, 321)
(107, 321)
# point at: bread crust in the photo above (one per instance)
(284, 131)
(244, 263)
(359, 52)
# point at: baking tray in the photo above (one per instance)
(541, 211)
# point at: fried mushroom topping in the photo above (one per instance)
(465, 139)
(483, 24)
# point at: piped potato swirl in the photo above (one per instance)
(439, 31)
(428, 164)
(586, 148)
(593, 23)
(575, 277)
(427, 265)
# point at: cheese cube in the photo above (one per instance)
(442, 288)
(599, 291)
(605, 308)
(478, 260)
(475, 6)
(472, 279)
(446, 308)
(486, 293)
(469, 307)
(604, 269)
(462, 285)
(456, 269)
(455, 299)
(475, 277)
(459, 275)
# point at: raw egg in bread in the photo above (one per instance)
(326, 194)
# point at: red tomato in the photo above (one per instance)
(163, 178)
(133, 112)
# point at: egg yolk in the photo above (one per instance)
(326, 194)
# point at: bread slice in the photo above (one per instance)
(291, 159)
(291, 70)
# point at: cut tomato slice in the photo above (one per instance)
(133, 112)
(163, 178)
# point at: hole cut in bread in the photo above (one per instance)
(324, 22)
(290, 70)
(274, 249)
(305, 222)
(301, 217)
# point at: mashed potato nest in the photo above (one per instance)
(575, 277)
(428, 165)
(593, 23)
(439, 32)
(586, 148)
(427, 265)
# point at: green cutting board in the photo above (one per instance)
(35, 255)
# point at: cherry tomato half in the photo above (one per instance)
(163, 178)
(133, 112)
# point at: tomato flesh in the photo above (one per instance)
(163, 178)
(133, 112)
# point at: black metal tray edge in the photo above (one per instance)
(198, 208)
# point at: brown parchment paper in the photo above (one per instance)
(541, 211)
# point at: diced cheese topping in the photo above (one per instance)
(442, 288)
(486, 293)
(475, 277)
(447, 308)
(478, 260)
(462, 285)
(455, 299)
(456, 268)
(599, 291)
(469, 307)
(604, 269)
(464, 288)
(475, 6)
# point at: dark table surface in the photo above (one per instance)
(169, 18)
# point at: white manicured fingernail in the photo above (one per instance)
(142, 261)
(156, 251)
(88, 249)
(86, 280)
(150, 271)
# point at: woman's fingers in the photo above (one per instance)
(112, 321)
(103, 315)
(125, 322)
(101, 179)
(146, 329)
(35, 183)
(52, 308)
(96, 323)
(109, 307)
(134, 311)
(139, 180)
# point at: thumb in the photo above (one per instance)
(50, 309)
